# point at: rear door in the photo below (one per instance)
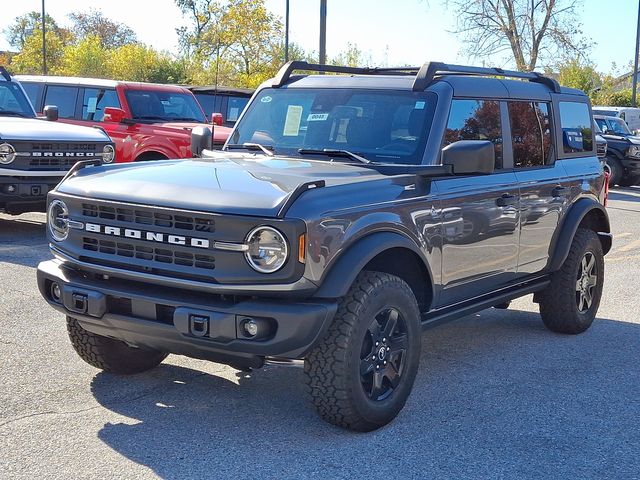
(542, 194)
(482, 254)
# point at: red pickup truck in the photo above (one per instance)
(146, 121)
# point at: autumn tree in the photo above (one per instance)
(29, 59)
(94, 23)
(87, 58)
(528, 29)
(24, 26)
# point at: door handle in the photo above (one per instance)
(560, 191)
(507, 200)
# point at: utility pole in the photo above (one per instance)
(44, 42)
(635, 61)
(323, 32)
(286, 34)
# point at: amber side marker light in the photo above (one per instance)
(302, 245)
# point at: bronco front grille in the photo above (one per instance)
(145, 217)
(62, 163)
(155, 254)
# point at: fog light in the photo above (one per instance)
(56, 293)
(251, 328)
(11, 189)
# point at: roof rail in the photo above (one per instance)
(431, 69)
(288, 68)
(5, 73)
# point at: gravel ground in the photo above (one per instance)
(497, 396)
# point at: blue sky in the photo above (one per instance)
(392, 32)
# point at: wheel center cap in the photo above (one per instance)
(382, 353)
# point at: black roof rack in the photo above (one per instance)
(431, 69)
(5, 74)
(424, 75)
(288, 68)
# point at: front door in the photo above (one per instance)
(480, 255)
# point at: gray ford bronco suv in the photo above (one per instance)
(36, 154)
(346, 213)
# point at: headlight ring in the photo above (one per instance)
(7, 153)
(268, 249)
(108, 154)
(58, 220)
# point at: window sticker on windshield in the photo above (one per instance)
(266, 99)
(233, 114)
(292, 122)
(420, 105)
(92, 103)
(317, 117)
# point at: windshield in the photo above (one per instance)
(155, 105)
(13, 101)
(384, 126)
(613, 126)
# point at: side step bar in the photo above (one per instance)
(454, 312)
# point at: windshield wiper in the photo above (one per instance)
(332, 152)
(266, 149)
(188, 119)
(13, 113)
(152, 117)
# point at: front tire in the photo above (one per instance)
(569, 304)
(111, 355)
(616, 170)
(361, 374)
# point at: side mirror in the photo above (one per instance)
(201, 139)
(113, 114)
(469, 157)
(216, 119)
(50, 113)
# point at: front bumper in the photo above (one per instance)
(185, 322)
(631, 165)
(23, 194)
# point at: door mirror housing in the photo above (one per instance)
(113, 114)
(50, 113)
(216, 119)
(470, 157)
(201, 139)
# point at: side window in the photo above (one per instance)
(576, 127)
(475, 120)
(32, 90)
(94, 102)
(530, 133)
(235, 107)
(64, 98)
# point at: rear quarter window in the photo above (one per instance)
(577, 134)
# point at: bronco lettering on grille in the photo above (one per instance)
(150, 236)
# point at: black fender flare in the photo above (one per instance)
(336, 282)
(561, 244)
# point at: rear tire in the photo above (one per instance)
(569, 304)
(361, 374)
(111, 355)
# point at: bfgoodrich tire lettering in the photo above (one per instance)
(569, 304)
(360, 375)
(111, 355)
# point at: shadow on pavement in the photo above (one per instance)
(497, 396)
(23, 241)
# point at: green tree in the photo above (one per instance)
(29, 59)
(577, 74)
(25, 25)
(94, 24)
(351, 57)
(140, 63)
(87, 58)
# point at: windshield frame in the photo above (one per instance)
(27, 110)
(163, 118)
(427, 99)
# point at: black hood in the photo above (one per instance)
(233, 184)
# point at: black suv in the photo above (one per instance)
(35, 154)
(346, 213)
(623, 150)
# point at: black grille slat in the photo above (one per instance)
(141, 217)
(160, 255)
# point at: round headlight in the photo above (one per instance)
(7, 153)
(108, 154)
(268, 250)
(58, 219)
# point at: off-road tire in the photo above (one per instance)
(332, 369)
(616, 169)
(558, 302)
(111, 355)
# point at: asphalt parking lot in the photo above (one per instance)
(497, 396)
